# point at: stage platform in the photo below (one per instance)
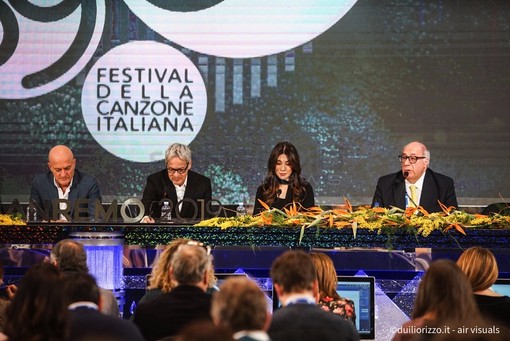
(121, 255)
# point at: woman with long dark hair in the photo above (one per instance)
(284, 184)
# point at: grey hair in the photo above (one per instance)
(178, 150)
(189, 264)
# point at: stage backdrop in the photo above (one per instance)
(348, 82)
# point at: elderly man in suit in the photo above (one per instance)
(177, 183)
(64, 181)
(415, 184)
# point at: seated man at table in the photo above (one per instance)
(415, 184)
(179, 184)
(64, 181)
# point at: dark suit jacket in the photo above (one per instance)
(303, 321)
(160, 186)
(167, 314)
(390, 191)
(89, 324)
(43, 191)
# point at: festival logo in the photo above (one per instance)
(140, 97)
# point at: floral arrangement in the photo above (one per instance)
(414, 220)
(7, 219)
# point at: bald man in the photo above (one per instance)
(415, 184)
(64, 181)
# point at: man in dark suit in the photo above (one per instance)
(86, 321)
(181, 186)
(415, 184)
(64, 181)
(165, 315)
(300, 318)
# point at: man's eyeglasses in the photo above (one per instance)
(178, 170)
(207, 248)
(412, 159)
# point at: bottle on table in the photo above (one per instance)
(166, 211)
(240, 210)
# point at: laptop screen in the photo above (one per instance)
(502, 286)
(361, 290)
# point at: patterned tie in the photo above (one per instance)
(414, 199)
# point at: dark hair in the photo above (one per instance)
(80, 286)
(294, 271)
(38, 311)
(445, 291)
(271, 182)
(70, 255)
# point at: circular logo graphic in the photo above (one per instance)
(242, 28)
(142, 96)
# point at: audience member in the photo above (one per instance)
(4, 299)
(165, 315)
(300, 318)
(70, 256)
(481, 269)
(203, 330)
(241, 306)
(86, 322)
(329, 298)
(415, 184)
(444, 296)
(160, 282)
(38, 311)
(64, 181)
(284, 184)
(175, 183)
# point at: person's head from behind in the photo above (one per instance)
(178, 163)
(69, 255)
(159, 275)
(62, 163)
(326, 275)
(445, 294)
(284, 162)
(480, 267)
(415, 159)
(240, 305)
(293, 272)
(38, 310)
(190, 265)
(80, 287)
(202, 330)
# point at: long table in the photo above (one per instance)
(152, 235)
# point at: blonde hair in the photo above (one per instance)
(160, 277)
(480, 267)
(326, 275)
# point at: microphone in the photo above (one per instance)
(166, 191)
(406, 174)
(278, 193)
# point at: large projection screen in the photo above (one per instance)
(347, 82)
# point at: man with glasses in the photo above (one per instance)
(415, 184)
(184, 188)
